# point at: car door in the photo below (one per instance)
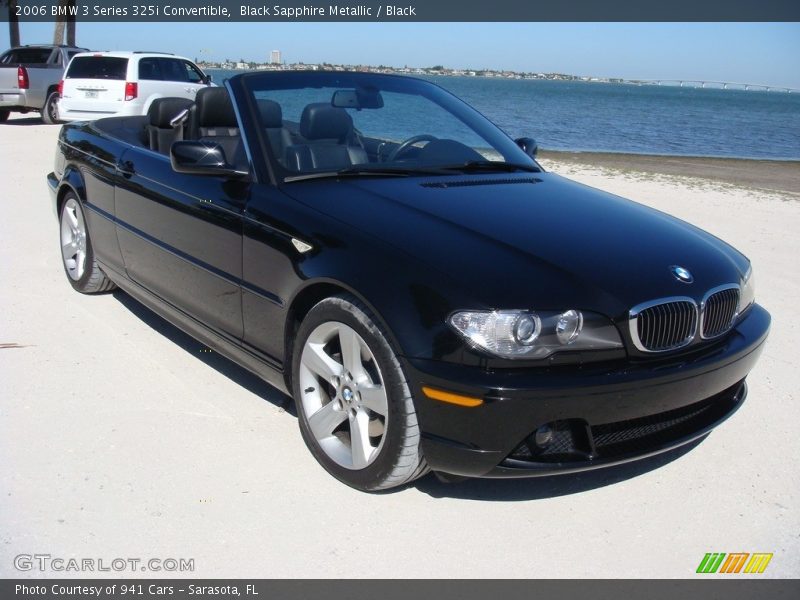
(181, 237)
(151, 79)
(180, 78)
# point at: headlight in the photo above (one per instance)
(527, 334)
(747, 294)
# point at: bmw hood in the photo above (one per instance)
(533, 240)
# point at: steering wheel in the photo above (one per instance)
(406, 144)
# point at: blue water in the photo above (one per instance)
(602, 117)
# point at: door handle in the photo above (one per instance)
(126, 168)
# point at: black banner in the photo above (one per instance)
(146, 11)
(323, 589)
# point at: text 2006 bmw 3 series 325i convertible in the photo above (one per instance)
(430, 296)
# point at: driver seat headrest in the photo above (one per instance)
(322, 121)
(214, 108)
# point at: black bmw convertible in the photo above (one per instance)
(428, 294)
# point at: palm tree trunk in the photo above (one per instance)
(71, 29)
(13, 24)
(65, 24)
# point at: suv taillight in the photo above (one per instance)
(22, 78)
(60, 88)
(131, 90)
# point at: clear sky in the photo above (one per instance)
(766, 53)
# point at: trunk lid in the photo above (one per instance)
(94, 84)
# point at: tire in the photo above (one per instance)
(361, 392)
(4, 115)
(50, 109)
(77, 255)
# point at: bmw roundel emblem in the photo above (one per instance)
(681, 274)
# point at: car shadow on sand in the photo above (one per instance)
(497, 490)
(216, 361)
(24, 121)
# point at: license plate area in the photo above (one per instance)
(92, 93)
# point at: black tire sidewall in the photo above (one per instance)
(371, 477)
(4, 114)
(82, 283)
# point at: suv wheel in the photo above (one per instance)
(50, 109)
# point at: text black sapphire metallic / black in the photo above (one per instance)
(430, 296)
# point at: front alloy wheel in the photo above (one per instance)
(344, 398)
(354, 405)
(76, 250)
(73, 239)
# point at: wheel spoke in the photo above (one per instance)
(319, 363)
(325, 420)
(72, 220)
(70, 248)
(351, 352)
(373, 397)
(360, 448)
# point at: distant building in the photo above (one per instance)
(275, 57)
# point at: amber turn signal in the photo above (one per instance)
(451, 398)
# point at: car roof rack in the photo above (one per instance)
(152, 52)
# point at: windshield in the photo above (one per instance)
(356, 123)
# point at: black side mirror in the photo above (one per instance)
(528, 145)
(202, 158)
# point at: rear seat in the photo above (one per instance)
(159, 132)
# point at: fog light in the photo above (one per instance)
(543, 436)
(527, 329)
(569, 326)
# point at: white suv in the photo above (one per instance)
(116, 84)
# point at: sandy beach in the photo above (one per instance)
(760, 175)
(120, 438)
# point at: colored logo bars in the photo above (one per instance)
(736, 562)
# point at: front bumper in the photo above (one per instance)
(600, 416)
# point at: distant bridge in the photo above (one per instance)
(697, 83)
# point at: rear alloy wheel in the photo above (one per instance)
(82, 270)
(354, 405)
(50, 109)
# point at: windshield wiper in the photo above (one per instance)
(361, 171)
(490, 165)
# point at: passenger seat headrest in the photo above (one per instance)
(214, 108)
(271, 113)
(163, 110)
(323, 121)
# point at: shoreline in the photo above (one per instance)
(782, 176)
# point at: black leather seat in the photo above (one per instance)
(272, 119)
(328, 132)
(159, 131)
(212, 118)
